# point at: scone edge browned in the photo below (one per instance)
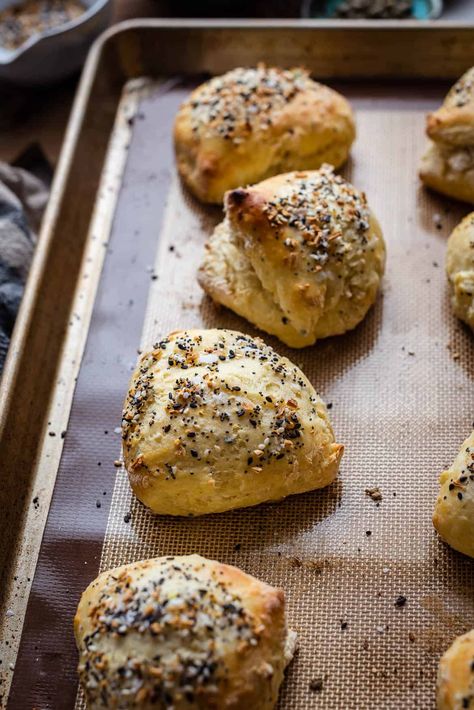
(300, 255)
(216, 420)
(250, 124)
(184, 629)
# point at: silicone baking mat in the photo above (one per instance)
(374, 596)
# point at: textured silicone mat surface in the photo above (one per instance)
(400, 389)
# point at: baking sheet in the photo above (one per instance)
(400, 386)
(401, 393)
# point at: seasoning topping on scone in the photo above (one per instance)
(181, 632)
(252, 123)
(244, 100)
(299, 255)
(215, 420)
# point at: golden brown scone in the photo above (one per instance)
(460, 269)
(216, 420)
(448, 164)
(454, 511)
(250, 124)
(455, 687)
(299, 255)
(181, 633)
(453, 123)
(449, 171)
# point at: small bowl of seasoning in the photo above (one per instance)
(43, 41)
(372, 9)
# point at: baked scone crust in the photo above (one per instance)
(455, 686)
(448, 164)
(460, 269)
(252, 123)
(453, 122)
(454, 511)
(181, 632)
(449, 170)
(216, 420)
(300, 255)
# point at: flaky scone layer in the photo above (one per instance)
(448, 164)
(449, 170)
(460, 269)
(299, 255)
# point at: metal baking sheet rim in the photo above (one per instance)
(48, 448)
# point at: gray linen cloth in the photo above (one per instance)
(23, 198)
